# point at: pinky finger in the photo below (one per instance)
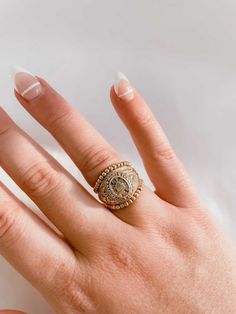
(166, 172)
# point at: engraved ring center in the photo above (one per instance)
(119, 186)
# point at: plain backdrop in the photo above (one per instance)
(180, 54)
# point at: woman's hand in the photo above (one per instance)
(162, 254)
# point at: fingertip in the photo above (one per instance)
(122, 88)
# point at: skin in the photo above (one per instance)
(165, 253)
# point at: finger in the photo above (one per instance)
(164, 169)
(30, 245)
(62, 199)
(87, 148)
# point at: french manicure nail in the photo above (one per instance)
(123, 88)
(26, 84)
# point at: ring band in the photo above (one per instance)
(118, 185)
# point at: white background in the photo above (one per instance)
(180, 54)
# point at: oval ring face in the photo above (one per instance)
(119, 186)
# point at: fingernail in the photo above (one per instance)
(123, 88)
(26, 84)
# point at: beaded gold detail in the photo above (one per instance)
(118, 185)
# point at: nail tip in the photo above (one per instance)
(123, 90)
(15, 68)
(118, 77)
(28, 85)
(122, 76)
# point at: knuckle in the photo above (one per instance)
(163, 152)
(40, 179)
(73, 288)
(189, 236)
(12, 226)
(55, 123)
(77, 298)
(146, 120)
(125, 258)
(121, 257)
(96, 159)
(7, 221)
(163, 149)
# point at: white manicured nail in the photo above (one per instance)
(123, 88)
(26, 84)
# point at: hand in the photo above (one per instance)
(162, 254)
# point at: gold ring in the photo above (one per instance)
(118, 185)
